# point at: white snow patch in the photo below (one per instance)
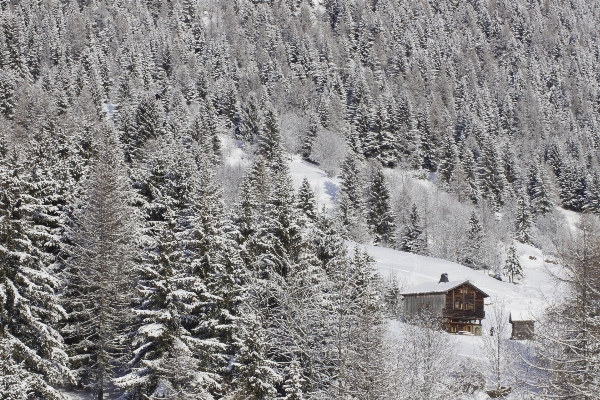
(325, 188)
(233, 153)
(530, 294)
(571, 217)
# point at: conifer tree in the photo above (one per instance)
(380, 215)
(306, 200)
(366, 375)
(473, 247)
(491, 174)
(413, 238)
(309, 136)
(523, 221)
(99, 271)
(351, 207)
(269, 139)
(537, 188)
(294, 382)
(472, 177)
(448, 159)
(33, 357)
(512, 266)
(509, 163)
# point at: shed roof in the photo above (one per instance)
(442, 287)
(521, 315)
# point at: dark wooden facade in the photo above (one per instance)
(459, 305)
(523, 325)
(464, 309)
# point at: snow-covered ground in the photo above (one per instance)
(325, 188)
(530, 294)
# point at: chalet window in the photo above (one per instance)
(458, 305)
(468, 306)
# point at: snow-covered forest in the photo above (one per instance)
(203, 199)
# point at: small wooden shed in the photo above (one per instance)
(459, 304)
(522, 325)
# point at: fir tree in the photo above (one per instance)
(475, 236)
(380, 215)
(99, 271)
(512, 266)
(309, 136)
(33, 357)
(537, 188)
(269, 139)
(351, 207)
(306, 200)
(448, 159)
(413, 238)
(292, 386)
(523, 221)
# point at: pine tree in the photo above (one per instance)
(448, 159)
(509, 163)
(33, 357)
(256, 374)
(512, 266)
(306, 200)
(523, 221)
(292, 386)
(537, 188)
(99, 271)
(491, 174)
(167, 353)
(413, 238)
(472, 256)
(380, 216)
(269, 138)
(351, 207)
(472, 177)
(309, 136)
(366, 377)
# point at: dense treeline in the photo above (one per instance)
(132, 255)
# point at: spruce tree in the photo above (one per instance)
(269, 138)
(309, 136)
(523, 220)
(537, 188)
(306, 200)
(292, 386)
(472, 256)
(99, 270)
(448, 159)
(380, 216)
(512, 266)
(351, 206)
(413, 238)
(33, 358)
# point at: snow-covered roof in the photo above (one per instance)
(521, 315)
(442, 287)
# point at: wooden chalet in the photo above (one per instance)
(522, 325)
(459, 304)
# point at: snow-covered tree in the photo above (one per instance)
(523, 220)
(100, 270)
(306, 200)
(380, 217)
(472, 256)
(414, 239)
(33, 358)
(537, 188)
(512, 266)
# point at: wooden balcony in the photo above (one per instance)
(467, 314)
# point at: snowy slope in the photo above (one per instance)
(411, 269)
(325, 188)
